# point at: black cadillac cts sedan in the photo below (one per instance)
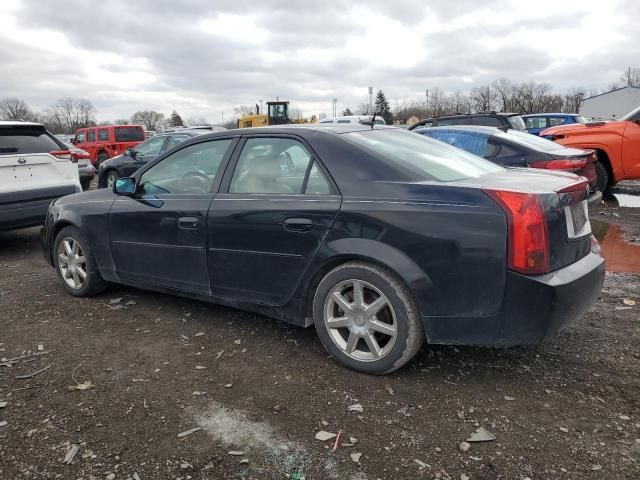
(379, 237)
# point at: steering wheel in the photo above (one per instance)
(194, 181)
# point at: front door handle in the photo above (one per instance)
(298, 224)
(188, 223)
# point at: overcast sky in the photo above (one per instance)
(203, 57)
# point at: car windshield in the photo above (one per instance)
(631, 115)
(26, 140)
(427, 158)
(532, 141)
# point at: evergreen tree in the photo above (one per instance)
(176, 120)
(347, 112)
(382, 107)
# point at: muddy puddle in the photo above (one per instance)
(623, 200)
(620, 255)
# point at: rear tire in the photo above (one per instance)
(75, 264)
(366, 318)
(602, 180)
(86, 184)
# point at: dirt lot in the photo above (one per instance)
(126, 376)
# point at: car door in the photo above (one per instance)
(158, 234)
(631, 148)
(274, 210)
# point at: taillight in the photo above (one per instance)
(528, 240)
(76, 155)
(572, 165)
(61, 154)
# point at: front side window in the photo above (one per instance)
(554, 121)
(420, 156)
(103, 135)
(176, 140)
(271, 165)
(129, 134)
(150, 147)
(190, 170)
(80, 137)
(91, 135)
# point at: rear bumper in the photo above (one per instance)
(533, 308)
(29, 208)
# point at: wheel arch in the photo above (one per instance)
(53, 233)
(604, 158)
(368, 251)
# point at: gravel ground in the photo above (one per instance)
(129, 370)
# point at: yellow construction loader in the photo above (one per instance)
(277, 114)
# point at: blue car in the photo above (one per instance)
(536, 122)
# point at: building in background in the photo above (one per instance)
(611, 105)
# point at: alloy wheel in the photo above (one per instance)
(111, 179)
(72, 263)
(360, 320)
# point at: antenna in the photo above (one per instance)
(373, 119)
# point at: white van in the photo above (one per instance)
(353, 119)
(35, 169)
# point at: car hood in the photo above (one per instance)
(584, 128)
(101, 194)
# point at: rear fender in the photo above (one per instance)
(340, 251)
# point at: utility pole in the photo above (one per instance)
(370, 100)
(335, 104)
(427, 99)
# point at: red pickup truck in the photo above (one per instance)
(616, 143)
(103, 143)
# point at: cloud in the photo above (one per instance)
(203, 58)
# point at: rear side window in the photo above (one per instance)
(536, 122)
(344, 121)
(91, 135)
(129, 134)
(103, 135)
(26, 140)
(488, 121)
(441, 122)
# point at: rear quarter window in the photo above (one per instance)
(27, 140)
(129, 134)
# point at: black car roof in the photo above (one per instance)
(486, 130)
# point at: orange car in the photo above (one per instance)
(616, 143)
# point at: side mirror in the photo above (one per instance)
(127, 152)
(124, 186)
(72, 141)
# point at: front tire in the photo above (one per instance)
(75, 264)
(366, 318)
(102, 156)
(110, 178)
(602, 174)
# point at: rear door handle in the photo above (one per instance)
(298, 224)
(188, 223)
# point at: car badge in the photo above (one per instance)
(22, 160)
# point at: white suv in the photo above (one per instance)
(35, 169)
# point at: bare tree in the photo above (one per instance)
(631, 77)
(12, 108)
(150, 119)
(572, 100)
(363, 109)
(69, 114)
(459, 102)
(483, 99)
